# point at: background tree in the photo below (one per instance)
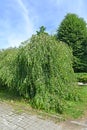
(73, 31)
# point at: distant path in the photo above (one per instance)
(10, 120)
(82, 84)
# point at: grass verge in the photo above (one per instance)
(77, 109)
(21, 105)
(72, 110)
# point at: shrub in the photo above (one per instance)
(44, 73)
(7, 67)
(81, 77)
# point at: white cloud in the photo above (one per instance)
(13, 40)
(19, 19)
(57, 2)
(15, 37)
(25, 12)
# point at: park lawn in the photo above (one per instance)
(77, 109)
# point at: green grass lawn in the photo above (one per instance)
(77, 109)
(73, 110)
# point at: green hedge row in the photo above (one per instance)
(81, 77)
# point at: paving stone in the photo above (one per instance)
(10, 120)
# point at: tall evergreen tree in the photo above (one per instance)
(73, 31)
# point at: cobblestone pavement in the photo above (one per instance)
(10, 120)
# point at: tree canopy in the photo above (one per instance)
(73, 31)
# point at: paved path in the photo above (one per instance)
(10, 120)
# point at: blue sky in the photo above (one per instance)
(19, 19)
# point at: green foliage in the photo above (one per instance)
(42, 30)
(44, 73)
(7, 67)
(73, 31)
(77, 109)
(81, 77)
(41, 71)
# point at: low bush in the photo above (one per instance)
(81, 77)
(7, 67)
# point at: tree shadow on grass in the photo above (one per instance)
(6, 94)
